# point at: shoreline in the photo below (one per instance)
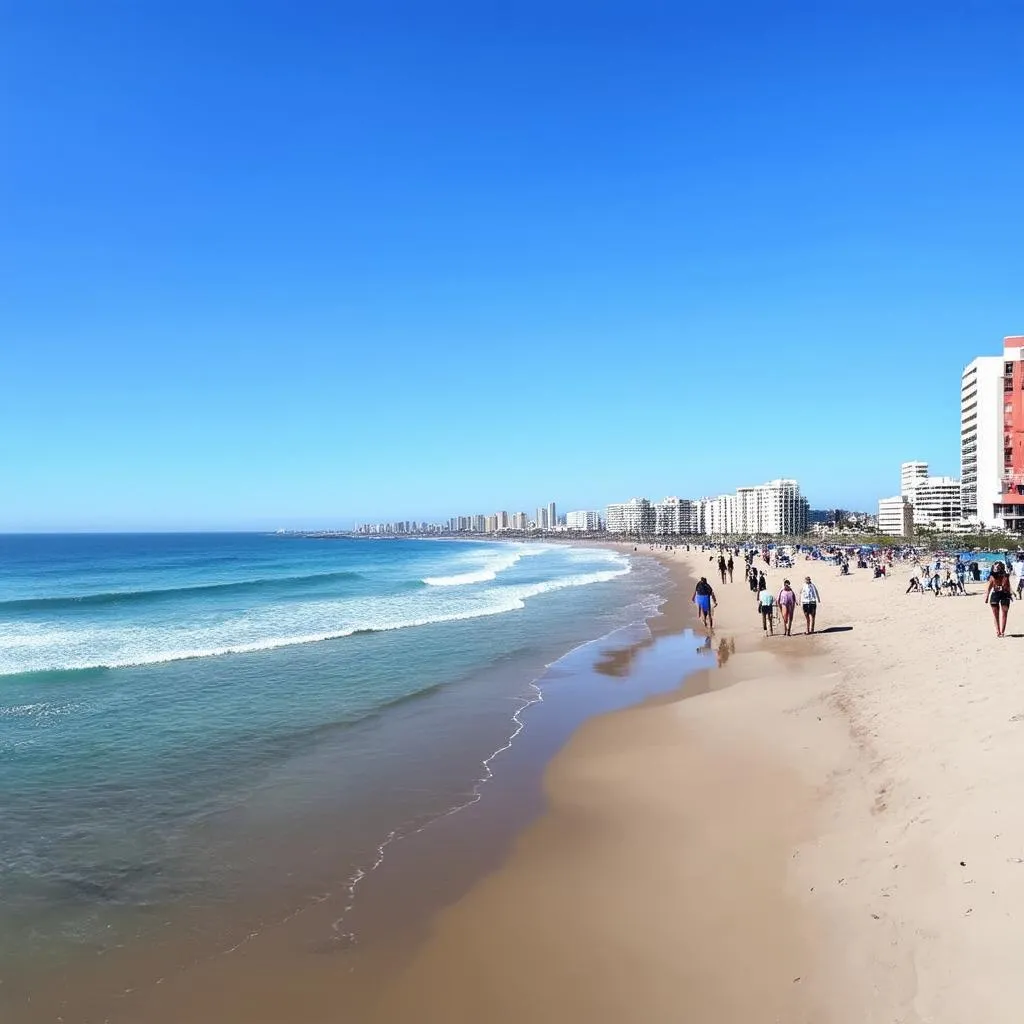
(550, 913)
(830, 835)
(282, 950)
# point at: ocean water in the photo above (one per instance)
(192, 721)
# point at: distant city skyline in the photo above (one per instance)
(350, 264)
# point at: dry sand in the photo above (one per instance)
(832, 832)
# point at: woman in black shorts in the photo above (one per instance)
(999, 596)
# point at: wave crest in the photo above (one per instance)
(23, 656)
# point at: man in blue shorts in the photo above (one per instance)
(704, 598)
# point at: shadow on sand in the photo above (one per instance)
(835, 629)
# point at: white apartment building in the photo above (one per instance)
(981, 439)
(912, 475)
(721, 515)
(938, 503)
(583, 520)
(896, 516)
(633, 516)
(674, 515)
(552, 517)
(542, 519)
(776, 507)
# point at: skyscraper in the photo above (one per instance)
(552, 518)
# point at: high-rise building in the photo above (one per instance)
(982, 451)
(674, 515)
(895, 516)
(776, 508)
(502, 518)
(722, 514)
(552, 517)
(912, 475)
(937, 503)
(542, 519)
(633, 516)
(583, 520)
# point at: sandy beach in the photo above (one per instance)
(829, 832)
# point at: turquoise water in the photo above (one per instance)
(175, 710)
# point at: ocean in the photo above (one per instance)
(199, 733)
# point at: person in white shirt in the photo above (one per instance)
(810, 599)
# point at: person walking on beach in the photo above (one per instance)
(809, 599)
(722, 567)
(998, 595)
(704, 598)
(787, 606)
(766, 605)
(729, 566)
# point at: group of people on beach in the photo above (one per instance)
(706, 600)
(786, 602)
(938, 578)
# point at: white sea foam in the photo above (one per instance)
(39, 647)
(493, 564)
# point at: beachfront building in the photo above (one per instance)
(937, 503)
(541, 522)
(912, 475)
(586, 520)
(552, 517)
(698, 516)
(634, 516)
(982, 449)
(720, 515)
(776, 508)
(673, 516)
(896, 516)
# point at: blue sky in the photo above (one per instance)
(278, 264)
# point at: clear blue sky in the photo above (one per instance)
(295, 264)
